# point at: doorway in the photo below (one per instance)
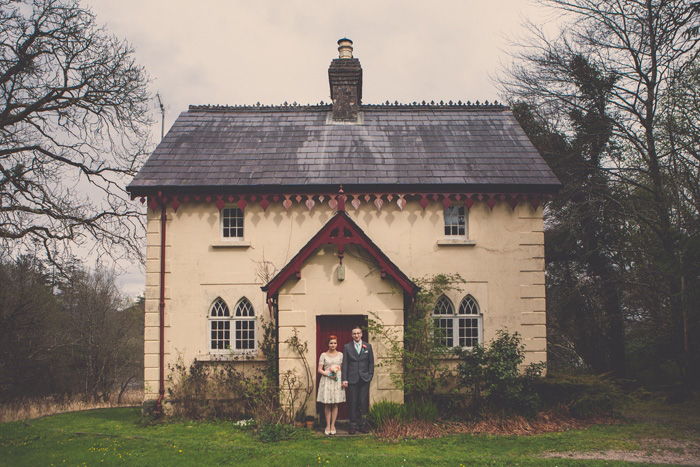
(341, 327)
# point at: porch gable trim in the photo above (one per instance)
(340, 231)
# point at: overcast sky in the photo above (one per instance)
(233, 52)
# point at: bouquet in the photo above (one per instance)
(334, 372)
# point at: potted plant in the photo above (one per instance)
(299, 418)
(310, 421)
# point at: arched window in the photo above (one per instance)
(219, 326)
(443, 317)
(461, 329)
(469, 323)
(244, 324)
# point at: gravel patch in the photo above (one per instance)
(660, 451)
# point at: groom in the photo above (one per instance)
(357, 372)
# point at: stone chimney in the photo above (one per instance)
(345, 76)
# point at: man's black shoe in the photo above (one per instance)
(352, 431)
(364, 429)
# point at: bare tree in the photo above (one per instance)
(106, 335)
(74, 122)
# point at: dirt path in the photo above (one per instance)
(659, 451)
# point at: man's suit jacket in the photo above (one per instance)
(356, 367)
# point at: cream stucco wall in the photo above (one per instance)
(503, 266)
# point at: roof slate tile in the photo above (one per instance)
(395, 145)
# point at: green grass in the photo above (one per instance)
(115, 437)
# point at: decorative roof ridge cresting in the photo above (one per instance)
(457, 105)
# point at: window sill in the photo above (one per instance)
(456, 242)
(227, 357)
(231, 244)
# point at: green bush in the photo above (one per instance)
(219, 391)
(383, 412)
(421, 410)
(273, 432)
(582, 395)
(678, 394)
(451, 405)
(492, 378)
(149, 413)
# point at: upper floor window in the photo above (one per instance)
(461, 329)
(231, 223)
(456, 221)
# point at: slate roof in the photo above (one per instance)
(253, 149)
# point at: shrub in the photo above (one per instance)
(221, 392)
(421, 410)
(149, 413)
(273, 432)
(452, 405)
(678, 394)
(492, 377)
(384, 412)
(582, 396)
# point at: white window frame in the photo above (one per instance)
(236, 216)
(452, 323)
(443, 319)
(244, 329)
(219, 322)
(452, 227)
(469, 310)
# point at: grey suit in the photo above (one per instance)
(358, 371)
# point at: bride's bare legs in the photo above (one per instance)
(334, 416)
(327, 408)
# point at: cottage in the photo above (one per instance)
(317, 216)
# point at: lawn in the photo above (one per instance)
(115, 437)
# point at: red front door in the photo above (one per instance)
(341, 327)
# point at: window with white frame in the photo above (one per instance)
(469, 323)
(456, 222)
(244, 325)
(232, 223)
(443, 317)
(461, 329)
(219, 326)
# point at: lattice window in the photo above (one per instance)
(219, 326)
(231, 223)
(443, 317)
(469, 322)
(456, 221)
(244, 324)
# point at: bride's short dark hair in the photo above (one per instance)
(330, 338)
